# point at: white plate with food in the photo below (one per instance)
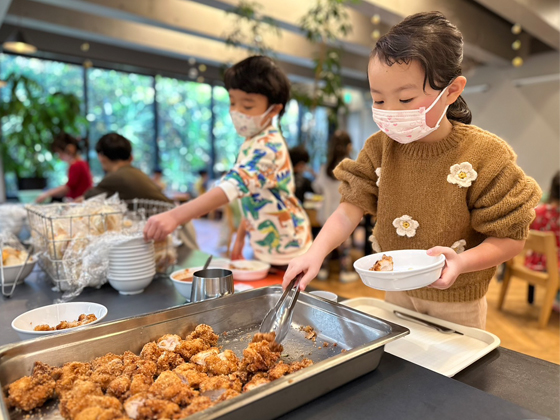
(399, 270)
(58, 318)
(244, 270)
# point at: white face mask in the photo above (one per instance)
(248, 125)
(408, 125)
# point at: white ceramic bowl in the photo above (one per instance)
(245, 270)
(183, 287)
(412, 269)
(132, 258)
(132, 267)
(11, 272)
(325, 295)
(135, 252)
(128, 276)
(53, 315)
(130, 286)
(137, 241)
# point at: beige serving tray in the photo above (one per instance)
(446, 354)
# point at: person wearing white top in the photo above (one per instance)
(340, 147)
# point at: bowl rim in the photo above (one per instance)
(118, 276)
(435, 265)
(32, 332)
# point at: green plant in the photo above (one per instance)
(249, 27)
(324, 24)
(30, 118)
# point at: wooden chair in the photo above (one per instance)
(543, 243)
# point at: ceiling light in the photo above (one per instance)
(17, 43)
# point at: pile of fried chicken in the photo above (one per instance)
(83, 319)
(171, 379)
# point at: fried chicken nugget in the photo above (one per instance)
(98, 413)
(140, 383)
(188, 348)
(168, 361)
(206, 333)
(146, 406)
(169, 342)
(223, 363)
(134, 365)
(198, 404)
(220, 382)
(119, 387)
(106, 369)
(258, 357)
(85, 394)
(190, 375)
(32, 391)
(200, 358)
(168, 386)
(43, 368)
(281, 369)
(151, 351)
(295, 366)
(70, 373)
(257, 380)
(228, 394)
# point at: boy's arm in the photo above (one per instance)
(161, 225)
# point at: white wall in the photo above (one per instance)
(527, 117)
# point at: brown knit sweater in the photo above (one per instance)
(421, 199)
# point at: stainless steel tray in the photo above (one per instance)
(361, 336)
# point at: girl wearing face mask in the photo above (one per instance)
(79, 176)
(262, 178)
(432, 180)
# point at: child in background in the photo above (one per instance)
(262, 177)
(547, 220)
(79, 176)
(340, 147)
(300, 158)
(432, 180)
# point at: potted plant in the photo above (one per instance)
(30, 118)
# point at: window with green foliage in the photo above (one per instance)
(123, 103)
(194, 126)
(184, 122)
(54, 77)
(226, 139)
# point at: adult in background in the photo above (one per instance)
(340, 147)
(115, 155)
(79, 176)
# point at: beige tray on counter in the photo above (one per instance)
(446, 354)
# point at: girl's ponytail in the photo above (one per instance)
(459, 111)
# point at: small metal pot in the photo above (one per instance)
(211, 283)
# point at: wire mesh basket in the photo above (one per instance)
(54, 227)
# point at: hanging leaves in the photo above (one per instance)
(30, 119)
(250, 27)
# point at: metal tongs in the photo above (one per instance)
(279, 319)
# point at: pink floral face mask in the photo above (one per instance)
(408, 125)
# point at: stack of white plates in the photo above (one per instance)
(132, 266)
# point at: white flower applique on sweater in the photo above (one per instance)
(459, 246)
(374, 244)
(462, 175)
(406, 226)
(378, 173)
